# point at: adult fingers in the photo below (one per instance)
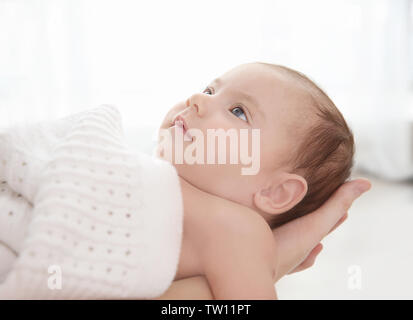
(342, 219)
(309, 260)
(297, 238)
(310, 229)
(328, 215)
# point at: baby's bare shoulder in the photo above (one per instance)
(240, 221)
(245, 234)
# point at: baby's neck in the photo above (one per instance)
(194, 188)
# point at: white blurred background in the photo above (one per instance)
(59, 56)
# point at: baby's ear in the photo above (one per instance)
(281, 194)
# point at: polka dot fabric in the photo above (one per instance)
(108, 217)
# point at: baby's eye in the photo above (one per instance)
(207, 90)
(239, 112)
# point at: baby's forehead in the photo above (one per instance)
(248, 73)
(282, 99)
(261, 80)
(275, 89)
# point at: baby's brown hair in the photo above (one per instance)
(325, 156)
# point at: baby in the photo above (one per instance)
(306, 152)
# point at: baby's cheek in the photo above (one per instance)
(167, 121)
(274, 154)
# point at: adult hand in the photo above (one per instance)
(298, 241)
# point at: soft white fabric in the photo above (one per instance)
(77, 197)
(7, 257)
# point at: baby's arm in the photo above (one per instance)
(193, 288)
(238, 261)
(235, 244)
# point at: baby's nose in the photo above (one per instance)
(193, 104)
(200, 103)
(196, 108)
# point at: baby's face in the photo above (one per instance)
(250, 96)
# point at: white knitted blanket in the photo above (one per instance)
(86, 216)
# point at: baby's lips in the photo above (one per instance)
(180, 126)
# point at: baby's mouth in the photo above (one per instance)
(179, 122)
